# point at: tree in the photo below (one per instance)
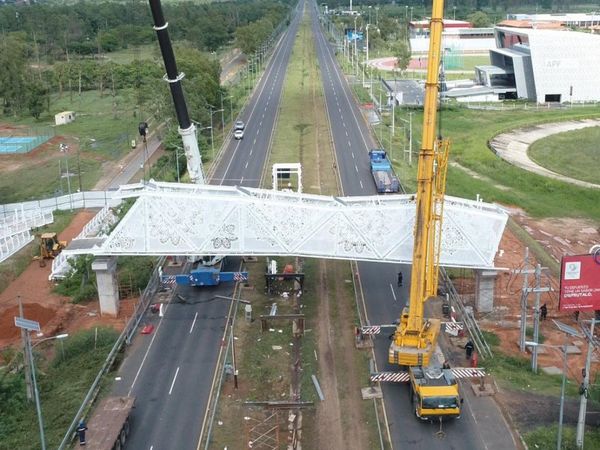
(13, 74)
(479, 19)
(36, 99)
(401, 50)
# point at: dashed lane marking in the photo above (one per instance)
(173, 383)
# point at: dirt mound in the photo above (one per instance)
(32, 311)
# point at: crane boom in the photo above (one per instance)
(415, 337)
(187, 130)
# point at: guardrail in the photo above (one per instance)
(124, 338)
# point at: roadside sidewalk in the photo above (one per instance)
(128, 166)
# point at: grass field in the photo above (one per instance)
(62, 382)
(133, 53)
(469, 132)
(102, 135)
(575, 153)
(546, 438)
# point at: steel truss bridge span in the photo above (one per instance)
(185, 219)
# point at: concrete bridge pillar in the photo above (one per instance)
(108, 286)
(485, 281)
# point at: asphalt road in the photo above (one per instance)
(384, 300)
(170, 371)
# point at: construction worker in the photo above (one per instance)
(81, 432)
(544, 311)
(469, 347)
(399, 279)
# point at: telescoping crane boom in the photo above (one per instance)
(415, 337)
(187, 130)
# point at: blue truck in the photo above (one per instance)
(383, 173)
(204, 276)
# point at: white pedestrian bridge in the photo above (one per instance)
(185, 219)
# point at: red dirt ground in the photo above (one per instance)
(54, 312)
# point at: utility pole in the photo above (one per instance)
(583, 391)
(524, 302)
(28, 387)
(536, 315)
(394, 111)
(410, 138)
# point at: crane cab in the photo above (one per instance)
(434, 393)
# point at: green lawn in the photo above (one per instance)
(104, 125)
(469, 132)
(469, 62)
(62, 383)
(575, 153)
(133, 53)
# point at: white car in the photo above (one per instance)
(239, 125)
(238, 134)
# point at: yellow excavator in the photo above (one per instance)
(434, 390)
(50, 247)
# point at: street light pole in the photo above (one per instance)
(584, 388)
(410, 138)
(38, 406)
(177, 161)
(562, 396)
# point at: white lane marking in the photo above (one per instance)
(242, 181)
(151, 447)
(246, 166)
(174, 378)
(254, 142)
(251, 150)
(195, 317)
(147, 351)
(349, 144)
(356, 168)
(346, 133)
(340, 109)
(352, 154)
(393, 293)
(361, 185)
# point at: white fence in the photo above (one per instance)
(77, 200)
(15, 229)
(10, 245)
(17, 219)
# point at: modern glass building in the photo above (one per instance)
(543, 65)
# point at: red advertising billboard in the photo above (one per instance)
(580, 283)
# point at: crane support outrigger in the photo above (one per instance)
(415, 337)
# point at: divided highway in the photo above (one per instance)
(170, 372)
(384, 300)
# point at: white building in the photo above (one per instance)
(543, 65)
(64, 117)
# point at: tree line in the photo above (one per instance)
(45, 48)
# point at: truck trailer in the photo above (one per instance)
(383, 173)
(109, 426)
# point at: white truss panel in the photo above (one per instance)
(182, 219)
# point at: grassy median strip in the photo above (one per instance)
(266, 358)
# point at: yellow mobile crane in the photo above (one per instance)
(434, 390)
(415, 337)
